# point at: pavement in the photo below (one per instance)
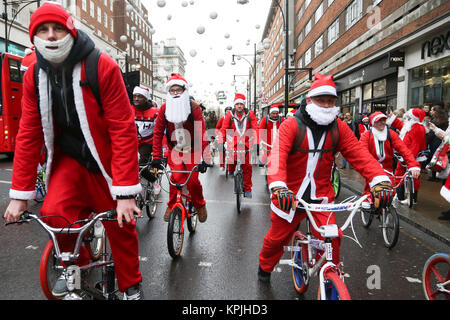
(424, 215)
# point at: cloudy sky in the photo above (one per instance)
(241, 22)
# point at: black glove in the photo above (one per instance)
(286, 198)
(157, 163)
(203, 166)
(148, 174)
(382, 194)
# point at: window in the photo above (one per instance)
(99, 14)
(353, 14)
(330, 2)
(111, 25)
(307, 56)
(375, 2)
(300, 14)
(300, 62)
(318, 46)
(105, 20)
(319, 12)
(83, 5)
(92, 9)
(379, 88)
(307, 2)
(308, 28)
(299, 38)
(333, 32)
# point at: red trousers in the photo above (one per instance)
(280, 234)
(74, 193)
(246, 169)
(194, 186)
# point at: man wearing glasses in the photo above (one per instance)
(181, 120)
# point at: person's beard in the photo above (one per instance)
(380, 135)
(58, 55)
(322, 116)
(406, 128)
(178, 107)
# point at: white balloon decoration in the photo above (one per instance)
(213, 15)
(184, 3)
(200, 29)
(220, 62)
(193, 53)
(161, 3)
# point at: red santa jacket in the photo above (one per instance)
(268, 129)
(109, 130)
(237, 129)
(414, 139)
(383, 151)
(299, 171)
(145, 124)
(219, 127)
(194, 126)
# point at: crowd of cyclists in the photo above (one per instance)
(95, 141)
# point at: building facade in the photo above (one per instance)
(383, 54)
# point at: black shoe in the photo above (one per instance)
(134, 293)
(445, 215)
(263, 276)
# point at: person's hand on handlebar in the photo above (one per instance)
(203, 166)
(15, 209)
(415, 173)
(125, 210)
(382, 194)
(157, 163)
(285, 197)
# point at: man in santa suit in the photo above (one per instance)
(381, 142)
(413, 134)
(92, 149)
(363, 126)
(145, 117)
(268, 129)
(300, 166)
(240, 131)
(181, 120)
(218, 132)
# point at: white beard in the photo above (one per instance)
(380, 135)
(178, 108)
(54, 55)
(322, 116)
(406, 128)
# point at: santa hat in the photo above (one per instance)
(274, 108)
(290, 113)
(176, 79)
(51, 12)
(365, 118)
(29, 59)
(143, 91)
(239, 98)
(374, 117)
(445, 190)
(416, 114)
(322, 85)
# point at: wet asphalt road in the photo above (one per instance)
(220, 261)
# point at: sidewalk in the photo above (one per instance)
(424, 215)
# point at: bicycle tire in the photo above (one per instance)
(150, 201)
(366, 218)
(299, 278)
(238, 190)
(390, 226)
(175, 237)
(409, 195)
(192, 220)
(41, 191)
(334, 286)
(436, 270)
(47, 280)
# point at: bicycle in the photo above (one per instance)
(436, 277)
(239, 178)
(213, 148)
(390, 222)
(147, 198)
(40, 188)
(54, 262)
(182, 210)
(303, 248)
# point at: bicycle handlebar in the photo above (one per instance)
(181, 185)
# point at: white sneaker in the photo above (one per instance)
(365, 205)
(405, 202)
(157, 189)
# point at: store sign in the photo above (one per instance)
(396, 59)
(435, 45)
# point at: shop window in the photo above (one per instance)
(367, 91)
(379, 88)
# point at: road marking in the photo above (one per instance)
(4, 181)
(412, 280)
(205, 264)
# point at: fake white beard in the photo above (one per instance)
(322, 116)
(380, 135)
(406, 128)
(178, 108)
(54, 55)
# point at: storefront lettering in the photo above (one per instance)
(436, 45)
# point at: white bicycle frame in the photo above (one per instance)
(328, 231)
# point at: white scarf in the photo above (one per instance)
(380, 135)
(322, 116)
(61, 51)
(178, 108)
(407, 125)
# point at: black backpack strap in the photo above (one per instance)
(91, 70)
(36, 84)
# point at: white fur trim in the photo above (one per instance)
(142, 91)
(414, 169)
(322, 90)
(176, 82)
(277, 184)
(378, 117)
(239, 101)
(274, 109)
(379, 179)
(390, 119)
(412, 116)
(286, 216)
(445, 193)
(22, 195)
(126, 190)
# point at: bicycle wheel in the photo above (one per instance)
(334, 286)
(41, 191)
(238, 190)
(366, 217)
(175, 236)
(300, 273)
(336, 182)
(94, 241)
(409, 194)
(390, 226)
(435, 273)
(150, 201)
(49, 271)
(192, 219)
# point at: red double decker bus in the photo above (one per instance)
(10, 101)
